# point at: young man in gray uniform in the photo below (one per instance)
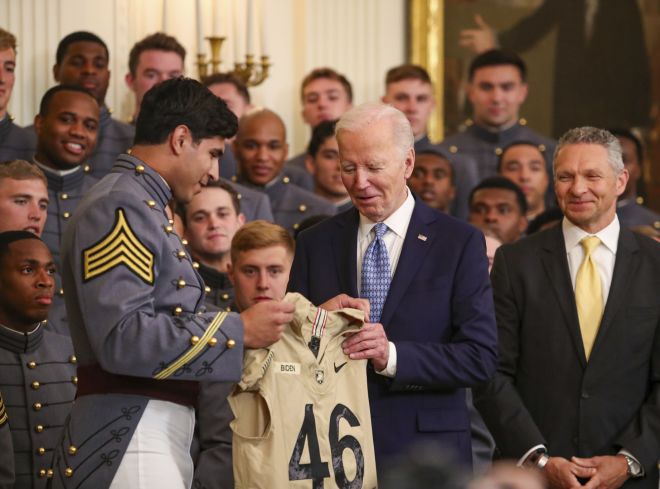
(15, 142)
(261, 151)
(497, 87)
(38, 374)
(82, 59)
(67, 127)
(135, 304)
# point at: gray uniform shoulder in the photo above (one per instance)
(291, 204)
(254, 204)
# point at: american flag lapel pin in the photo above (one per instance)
(421, 237)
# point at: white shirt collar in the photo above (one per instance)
(397, 221)
(61, 173)
(609, 235)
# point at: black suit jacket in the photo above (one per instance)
(545, 391)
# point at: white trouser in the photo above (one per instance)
(158, 455)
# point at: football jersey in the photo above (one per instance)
(302, 410)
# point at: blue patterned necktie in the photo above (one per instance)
(376, 276)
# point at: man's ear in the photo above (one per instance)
(56, 69)
(179, 139)
(241, 219)
(38, 122)
(309, 164)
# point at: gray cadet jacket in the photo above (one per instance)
(136, 315)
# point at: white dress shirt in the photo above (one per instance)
(397, 226)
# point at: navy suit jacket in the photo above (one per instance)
(439, 314)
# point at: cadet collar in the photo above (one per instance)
(484, 134)
(66, 181)
(17, 342)
(105, 116)
(146, 176)
(213, 278)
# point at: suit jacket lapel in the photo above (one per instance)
(625, 266)
(556, 266)
(412, 256)
(345, 250)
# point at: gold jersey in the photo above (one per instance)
(302, 410)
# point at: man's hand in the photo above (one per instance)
(563, 474)
(263, 323)
(342, 300)
(370, 342)
(480, 39)
(611, 471)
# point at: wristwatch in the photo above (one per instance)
(634, 469)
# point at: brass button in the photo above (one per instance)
(184, 242)
(64, 196)
(87, 168)
(453, 149)
(194, 340)
(68, 472)
(37, 406)
(498, 151)
(302, 207)
(656, 225)
(195, 265)
(239, 196)
(225, 297)
(151, 203)
(41, 450)
(234, 178)
(181, 254)
(73, 359)
(60, 292)
(296, 226)
(35, 385)
(177, 311)
(228, 309)
(170, 222)
(169, 229)
(139, 169)
(42, 473)
(39, 428)
(542, 148)
(207, 289)
(640, 200)
(522, 121)
(213, 342)
(32, 365)
(181, 284)
(72, 450)
(74, 380)
(49, 473)
(230, 344)
(286, 179)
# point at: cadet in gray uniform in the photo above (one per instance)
(82, 59)
(67, 127)
(261, 150)
(497, 87)
(15, 143)
(210, 221)
(7, 449)
(135, 303)
(38, 374)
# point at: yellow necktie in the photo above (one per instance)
(589, 295)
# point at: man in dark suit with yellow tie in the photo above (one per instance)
(577, 392)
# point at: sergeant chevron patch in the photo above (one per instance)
(119, 247)
(3, 412)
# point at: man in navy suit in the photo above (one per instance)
(435, 334)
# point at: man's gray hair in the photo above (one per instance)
(593, 135)
(367, 114)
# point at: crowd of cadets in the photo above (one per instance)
(496, 173)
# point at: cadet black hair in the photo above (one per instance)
(50, 93)
(505, 184)
(518, 142)
(498, 57)
(183, 101)
(78, 36)
(9, 237)
(323, 131)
